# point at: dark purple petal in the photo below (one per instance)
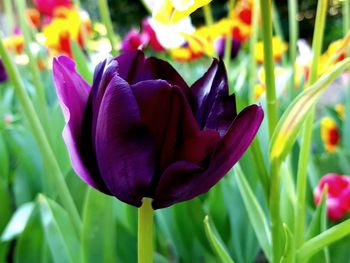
(3, 73)
(103, 74)
(134, 67)
(214, 108)
(220, 44)
(183, 180)
(167, 115)
(73, 93)
(125, 151)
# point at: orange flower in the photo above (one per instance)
(33, 16)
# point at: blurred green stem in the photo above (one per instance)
(304, 154)
(272, 117)
(106, 19)
(53, 169)
(208, 15)
(278, 28)
(9, 16)
(274, 205)
(38, 84)
(145, 232)
(261, 167)
(252, 44)
(346, 16)
(346, 126)
(228, 40)
(293, 37)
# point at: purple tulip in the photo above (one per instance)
(220, 47)
(140, 131)
(3, 73)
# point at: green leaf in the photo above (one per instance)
(216, 243)
(324, 239)
(287, 256)
(18, 222)
(291, 122)
(318, 225)
(32, 238)
(5, 215)
(4, 160)
(59, 231)
(98, 238)
(81, 62)
(319, 219)
(255, 213)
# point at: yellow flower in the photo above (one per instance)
(335, 52)
(329, 134)
(67, 25)
(259, 90)
(172, 11)
(14, 43)
(278, 49)
(340, 109)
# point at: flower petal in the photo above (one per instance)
(214, 108)
(168, 116)
(124, 148)
(73, 93)
(137, 68)
(184, 181)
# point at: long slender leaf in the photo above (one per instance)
(216, 243)
(98, 238)
(4, 160)
(287, 256)
(82, 63)
(59, 232)
(32, 238)
(291, 122)
(324, 239)
(255, 212)
(18, 222)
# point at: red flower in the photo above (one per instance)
(47, 7)
(338, 196)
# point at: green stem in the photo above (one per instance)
(38, 84)
(274, 206)
(261, 167)
(40, 136)
(346, 17)
(346, 126)
(228, 40)
(304, 154)
(9, 16)
(208, 15)
(106, 19)
(145, 232)
(252, 43)
(293, 37)
(277, 21)
(322, 240)
(272, 117)
(278, 27)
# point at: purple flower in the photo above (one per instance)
(140, 131)
(134, 40)
(3, 73)
(220, 47)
